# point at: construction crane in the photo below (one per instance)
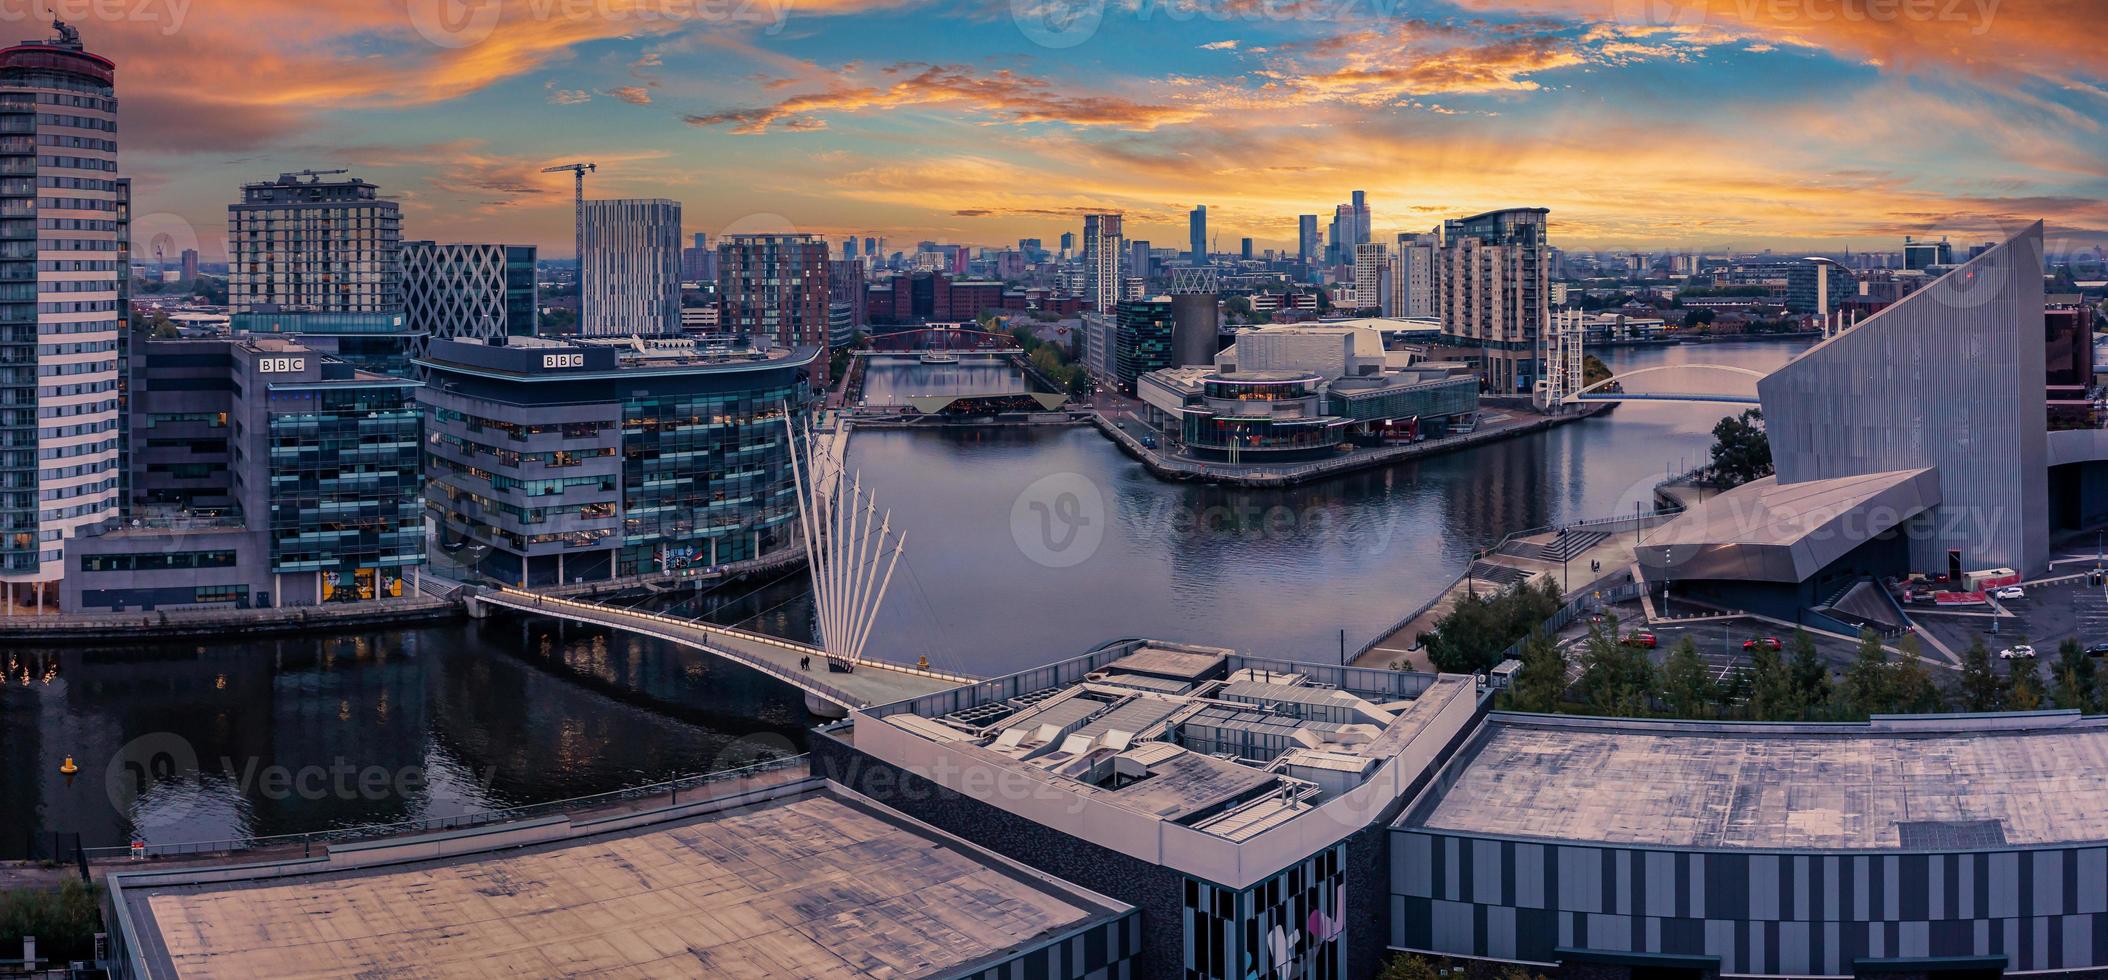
(578, 202)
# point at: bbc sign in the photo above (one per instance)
(281, 365)
(563, 360)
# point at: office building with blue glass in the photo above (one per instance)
(565, 462)
(266, 474)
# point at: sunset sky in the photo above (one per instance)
(1745, 124)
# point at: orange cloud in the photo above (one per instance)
(2053, 40)
(1001, 93)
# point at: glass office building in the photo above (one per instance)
(344, 484)
(564, 462)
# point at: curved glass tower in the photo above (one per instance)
(60, 269)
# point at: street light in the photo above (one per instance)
(1565, 585)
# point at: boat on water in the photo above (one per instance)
(939, 357)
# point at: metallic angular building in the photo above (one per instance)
(1949, 378)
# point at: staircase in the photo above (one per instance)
(1575, 543)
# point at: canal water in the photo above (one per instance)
(1023, 546)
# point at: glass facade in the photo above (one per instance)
(1286, 927)
(706, 477)
(1141, 340)
(1456, 396)
(344, 483)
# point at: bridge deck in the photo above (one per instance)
(872, 682)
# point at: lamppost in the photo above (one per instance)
(1565, 584)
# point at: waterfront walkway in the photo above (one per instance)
(805, 667)
(1527, 557)
(1495, 424)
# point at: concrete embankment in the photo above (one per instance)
(1179, 469)
(135, 627)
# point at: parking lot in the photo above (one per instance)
(2049, 614)
(1719, 642)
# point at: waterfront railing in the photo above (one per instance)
(671, 789)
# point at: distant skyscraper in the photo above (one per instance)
(1197, 234)
(1413, 275)
(59, 472)
(699, 262)
(1068, 242)
(1306, 238)
(1101, 260)
(1372, 274)
(190, 265)
(472, 292)
(849, 248)
(631, 281)
(1138, 263)
(775, 286)
(1246, 250)
(1493, 288)
(1350, 227)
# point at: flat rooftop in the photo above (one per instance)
(1937, 783)
(1196, 736)
(818, 885)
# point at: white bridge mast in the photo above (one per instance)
(843, 550)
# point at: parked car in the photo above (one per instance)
(2011, 592)
(2021, 652)
(1148, 442)
(1766, 642)
(2097, 650)
(1645, 641)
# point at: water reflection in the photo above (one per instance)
(269, 737)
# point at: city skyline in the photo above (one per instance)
(1760, 125)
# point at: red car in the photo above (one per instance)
(1644, 641)
(1769, 643)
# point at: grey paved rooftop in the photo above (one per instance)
(817, 886)
(1774, 787)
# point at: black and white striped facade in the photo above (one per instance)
(1488, 881)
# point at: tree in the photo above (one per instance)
(1811, 678)
(1910, 684)
(1686, 686)
(1616, 679)
(1741, 450)
(1468, 639)
(1867, 682)
(1409, 966)
(1542, 681)
(1772, 694)
(1982, 688)
(1478, 630)
(2075, 685)
(2024, 687)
